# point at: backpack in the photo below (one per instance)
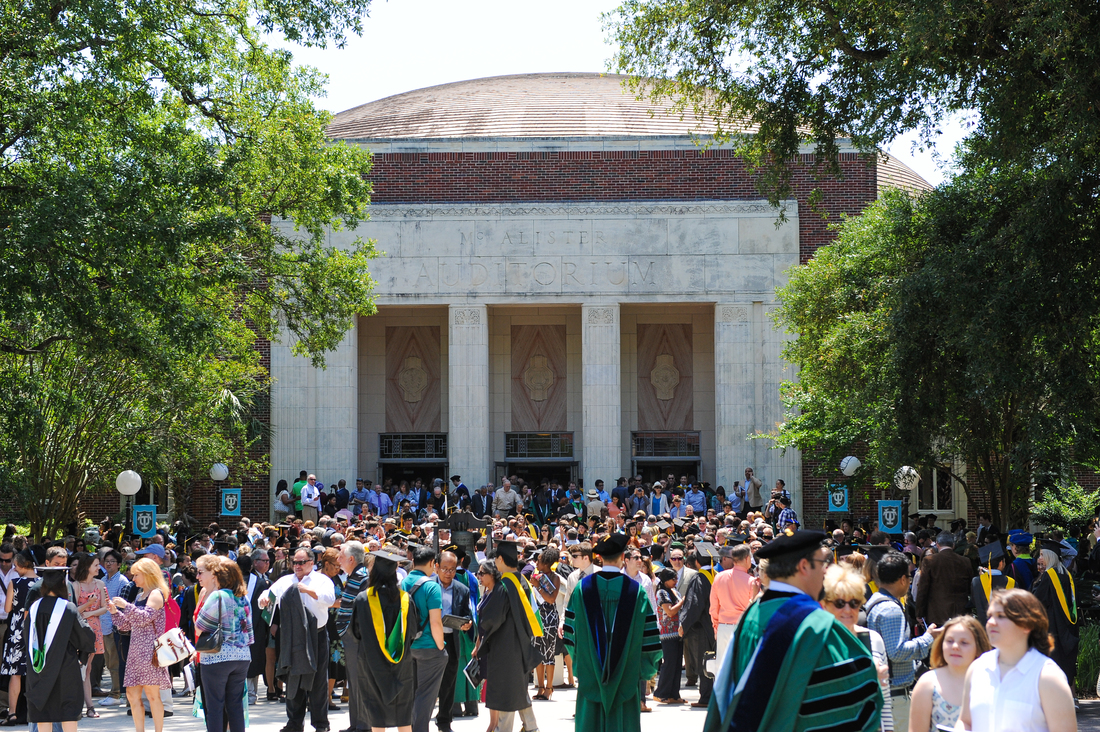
(171, 613)
(421, 623)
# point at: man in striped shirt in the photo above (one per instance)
(352, 560)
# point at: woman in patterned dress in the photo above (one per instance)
(145, 621)
(937, 697)
(546, 583)
(14, 661)
(91, 602)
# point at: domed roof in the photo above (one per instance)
(523, 105)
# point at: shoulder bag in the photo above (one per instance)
(211, 642)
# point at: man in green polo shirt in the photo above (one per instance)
(428, 653)
(296, 492)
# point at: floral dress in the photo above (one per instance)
(145, 625)
(14, 662)
(96, 596)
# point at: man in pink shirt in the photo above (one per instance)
(733, 590)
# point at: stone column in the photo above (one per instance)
(468, 393)
(734, 392)
(601, 395)
(315, 413)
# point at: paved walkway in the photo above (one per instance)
(553, 716)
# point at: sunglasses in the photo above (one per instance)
(677, 559)
(300, 562)
(854, 604)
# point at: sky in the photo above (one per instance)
(411, 44)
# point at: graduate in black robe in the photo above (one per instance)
(508, 622)
(55, 691)
(386, 674)
(1061, 607)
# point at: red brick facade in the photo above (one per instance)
(665, 175)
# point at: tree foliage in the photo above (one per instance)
(947, 328)
(145, 146)
(815, 71)
(1069, 507)
(145, 149)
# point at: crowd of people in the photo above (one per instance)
(361, 597)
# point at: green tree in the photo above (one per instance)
(145, 148)
(798, 71)
(74, 418)
(166, 193)
(947, 327)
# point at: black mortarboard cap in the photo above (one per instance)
(844, 550)
(664, 525)
(706, 551)
(790, 543)
(990, 553)
(611, 546)
(387, 555)
(1054, 546)
(508, 549)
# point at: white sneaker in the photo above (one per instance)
(109, 701)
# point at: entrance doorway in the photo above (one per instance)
(535, 473)
(396, 472)
(660, 470)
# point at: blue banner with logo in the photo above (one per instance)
(838, 498)
(889, 517)
(231, 502)
(145, 521)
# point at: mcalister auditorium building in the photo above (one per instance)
(571, 286)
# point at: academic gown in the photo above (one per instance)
(57, 693)
(506, 633)
(611, 632)
(387, 689)
(977, 593)
(464, 691)
(260, 628)
(811, 672)
(1067, 634)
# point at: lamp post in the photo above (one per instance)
(218, 473)
(128, 483)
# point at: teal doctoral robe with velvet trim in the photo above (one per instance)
(611, 632)
(811, 674)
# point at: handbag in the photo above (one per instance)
(172, 647)
(211, 642)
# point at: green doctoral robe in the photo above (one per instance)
(822, 677)
(613, 650)
(464, 691)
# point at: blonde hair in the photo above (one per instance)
(855, 561)
(981, 639)
(841, 583)
(1052, 560)
(150, 570)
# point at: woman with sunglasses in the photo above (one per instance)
(843, 599)
(669, 603)
(488, 576)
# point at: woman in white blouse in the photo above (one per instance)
(1016, 687)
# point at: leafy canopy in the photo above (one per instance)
(815, 71)
(145, 146)
(948, 327)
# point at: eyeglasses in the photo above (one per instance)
(854, 604)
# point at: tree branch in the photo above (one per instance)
(842, 42)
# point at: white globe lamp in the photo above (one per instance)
(219, 472)
(906, 478)
(849, 465)
(128, 483)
